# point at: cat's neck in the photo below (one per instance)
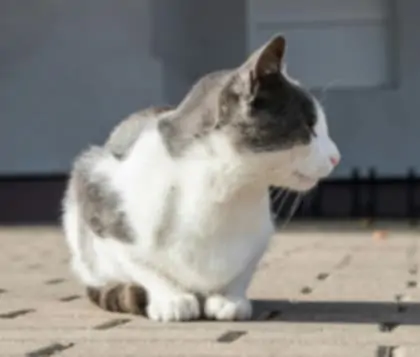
(210, 192)
(211, 166)
(221, 171)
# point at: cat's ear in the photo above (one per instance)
(267, 59)
(270, 57)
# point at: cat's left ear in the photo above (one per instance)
(268, 59)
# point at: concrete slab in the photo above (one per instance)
(321, 291)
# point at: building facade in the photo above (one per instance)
(70, 70)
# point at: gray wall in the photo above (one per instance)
(69, 70)
(381, 127)
(193, 37)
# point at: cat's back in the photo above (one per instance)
(125, 134)
(93, 191)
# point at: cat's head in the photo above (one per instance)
(273, 121)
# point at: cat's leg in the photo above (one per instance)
(78, 241)
(159, 303)
(139, 289)
(232, 303)
(173, 306)
(134, 286)
(167, 301)
(144, 291)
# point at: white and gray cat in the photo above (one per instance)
(171, 216)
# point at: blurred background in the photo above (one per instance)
(70, 70)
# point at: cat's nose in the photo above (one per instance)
(335, 160)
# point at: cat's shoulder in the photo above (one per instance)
(90, 166)
(125, 134)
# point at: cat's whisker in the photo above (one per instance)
(282, 201)
(279, 194)
(295, 205)
(326, 88)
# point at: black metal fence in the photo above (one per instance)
(368, 196)
(38, 200)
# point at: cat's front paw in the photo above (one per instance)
(181, 307)
(228, 308)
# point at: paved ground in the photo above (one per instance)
(319, 292)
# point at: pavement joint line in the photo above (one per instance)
(411, 284)
(111, 324)
(306, 290)
(16, 313)
(55, 281)
(344, 262)
(70, 298)
(50, 350)
(231, 336)
(323, 276)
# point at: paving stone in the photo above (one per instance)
(321, 291)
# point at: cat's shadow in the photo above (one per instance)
(386, 314)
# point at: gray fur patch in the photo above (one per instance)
(123, 137)
(254, 104)
(280, 115)
(100, 206)
(196, 116)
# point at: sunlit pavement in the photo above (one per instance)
(328, 291)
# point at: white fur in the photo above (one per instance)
(219, 228)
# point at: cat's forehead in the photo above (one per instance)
(279, 114)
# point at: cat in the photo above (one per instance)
(170, 217)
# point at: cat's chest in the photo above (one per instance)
(214, 247)
(196, 221)
(213, 264)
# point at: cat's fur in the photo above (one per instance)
(171, 216)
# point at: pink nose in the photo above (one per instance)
(334, 160)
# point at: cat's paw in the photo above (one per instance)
(228, 308)
(181, 307)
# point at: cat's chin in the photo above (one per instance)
(303, 187)
(300, 183)
(304, 182)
